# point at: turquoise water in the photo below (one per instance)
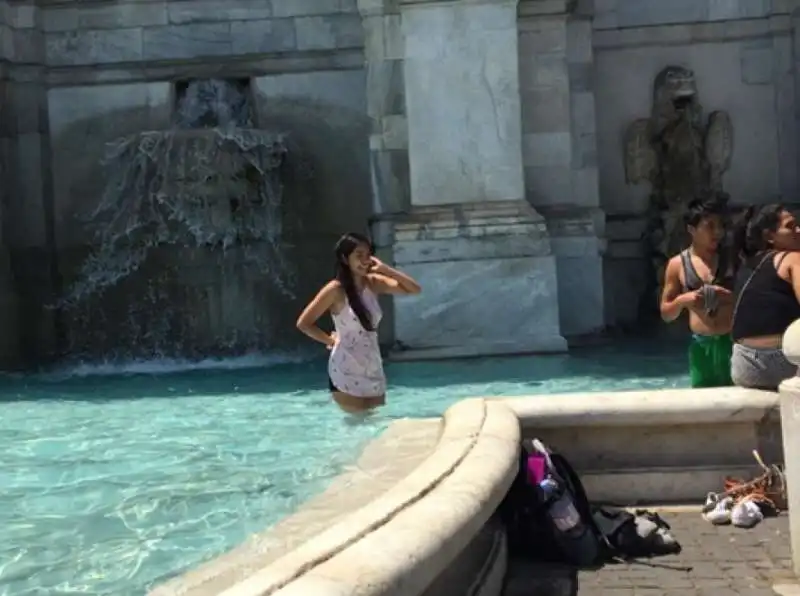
(115, 479)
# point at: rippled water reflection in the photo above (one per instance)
(113, 483)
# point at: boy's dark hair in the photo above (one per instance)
(700, 209)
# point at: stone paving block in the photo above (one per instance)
(724, 561)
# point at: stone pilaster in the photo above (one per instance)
(29, 207)
(480, 251)
(559, 150)
(388, 141)
(488, 278)
(25, 266)
(462, 101)
(8, 307)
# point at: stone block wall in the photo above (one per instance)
(111, 65)
(105, 33)
(75, 74)
(558, 109)
(741, 53)
(559, 151)
(26, 215)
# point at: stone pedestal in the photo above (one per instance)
(462, 101)
(577, 238)
(790, 424)
(488, 279)
(480, 251)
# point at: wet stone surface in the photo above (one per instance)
(724, 561)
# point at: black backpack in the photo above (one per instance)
(604, 534)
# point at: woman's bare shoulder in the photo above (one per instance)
(788, 259)
(333, 288)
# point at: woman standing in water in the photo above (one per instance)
(355, 369)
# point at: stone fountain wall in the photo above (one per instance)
(537, 97)
(742, 56)
(26, 265)
(110, 69)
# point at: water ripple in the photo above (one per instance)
(114, 483)
(110, 498)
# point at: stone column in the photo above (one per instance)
(559, 151)
(790, 425)
(481, 252)
(388, 141)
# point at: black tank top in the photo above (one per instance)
(767, 306)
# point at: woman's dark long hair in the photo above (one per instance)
(749, 231)
(344, 248)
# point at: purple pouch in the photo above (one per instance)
(536, 468)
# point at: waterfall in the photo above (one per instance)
(202, 199)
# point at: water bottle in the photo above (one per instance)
(560, 507)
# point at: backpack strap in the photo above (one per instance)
(582, 503)
(563, 468)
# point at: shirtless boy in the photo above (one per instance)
(698, 280)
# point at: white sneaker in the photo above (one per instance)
(717, 511)
(746, 514)
(711, 502)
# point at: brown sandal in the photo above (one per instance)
(767, 490)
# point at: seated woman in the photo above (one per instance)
(767, 296)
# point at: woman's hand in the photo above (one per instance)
(334, 341)
(378, 266)
(388, 280)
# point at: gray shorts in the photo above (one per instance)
(760, 368)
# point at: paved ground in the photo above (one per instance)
(724, 561)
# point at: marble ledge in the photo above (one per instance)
(575, 224)
(480, 221)
(229, 66)
(688, 33)
(545, 8)
(456, 211)
(22, 73)
(450, 491)
(645, 408)
(414, 3)
(433, 253)
(464, 283)
(452, 230)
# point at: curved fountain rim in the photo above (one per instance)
(454, 489)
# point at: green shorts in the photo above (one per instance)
(710, 360)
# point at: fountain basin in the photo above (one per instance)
(415, 538)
